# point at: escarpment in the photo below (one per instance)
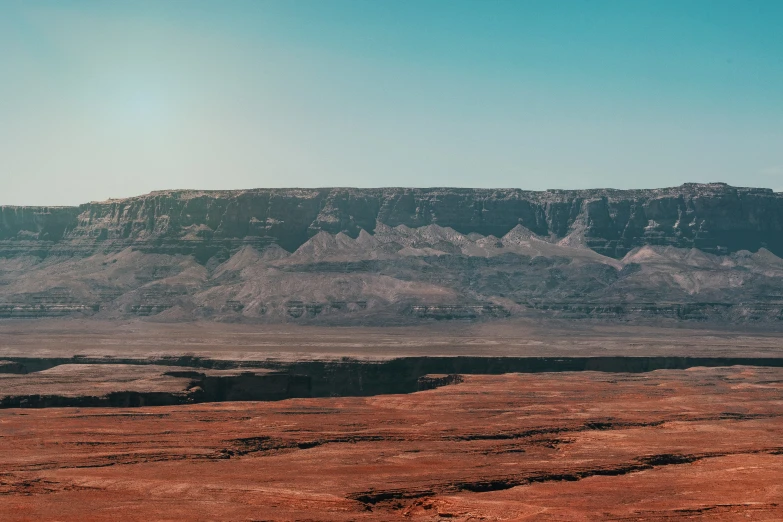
(693, 253)
(714, 218)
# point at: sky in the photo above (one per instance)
(106, 99)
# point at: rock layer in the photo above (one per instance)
(393, 256)
(713, 217)
(124, 385)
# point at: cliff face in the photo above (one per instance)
(696, 252)
(714, 218)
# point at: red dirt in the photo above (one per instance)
(695, 444)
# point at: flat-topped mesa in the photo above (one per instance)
(712, 217)
(37, 223)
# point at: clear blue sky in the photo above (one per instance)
(110, 99)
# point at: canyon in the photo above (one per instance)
(700, 444)
(394, 354)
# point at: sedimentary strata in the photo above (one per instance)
(715, 218)
(126, 385)
(401, 256)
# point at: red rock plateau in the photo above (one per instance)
(697, 444)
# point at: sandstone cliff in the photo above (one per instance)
(696, 252)
(714, 218)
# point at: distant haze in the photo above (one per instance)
(113, 99)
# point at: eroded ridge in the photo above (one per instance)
(693, 254)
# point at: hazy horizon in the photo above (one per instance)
(104, 100)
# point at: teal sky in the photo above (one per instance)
(106, 99)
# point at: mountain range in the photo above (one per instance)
(386, 256)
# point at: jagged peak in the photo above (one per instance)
(246, 256)
(320, 241)
(765, 256)
(518, 235)
(343, 238)
(576, 237)
(273, 252)
(324, 245)
(366, 239)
